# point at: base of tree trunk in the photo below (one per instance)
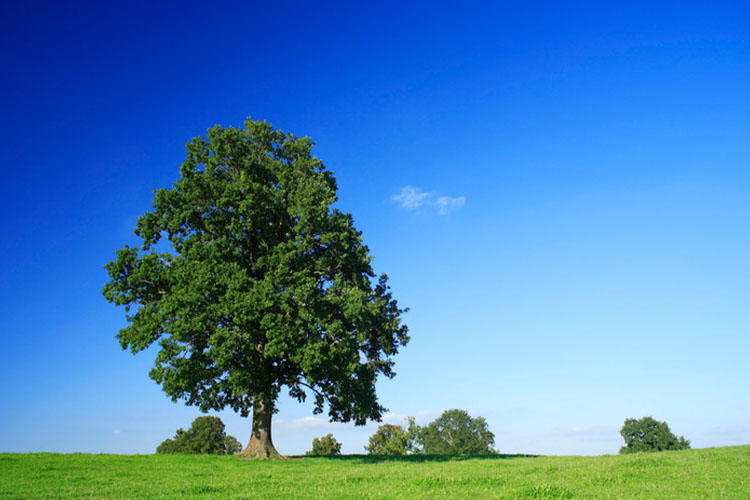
(258, 450)
(260, 446)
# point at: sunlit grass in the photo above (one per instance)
(691, 474)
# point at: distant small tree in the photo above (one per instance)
(456, 432)
(174, 445)
(647, 434)
(388, 440)
(395, 440)
(413, 432)
(206, 436)
(231, 445)
(325, 446)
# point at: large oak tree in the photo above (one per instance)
(264, 285)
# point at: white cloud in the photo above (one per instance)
(117, 431)
(421, 417)
(729, 429)
(594, 433)
(410, 198)
(306, 423)
(394, 418)
(594, 430)
(446, 204)
(428, 414)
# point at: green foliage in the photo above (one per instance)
(647, 434)
(266, 285)
(206, 436)
(174, 445)
(231, 445)
(413, 433)
(388, 440)
(325, 446)
(455, 432)
(394, 440)
(713, 473)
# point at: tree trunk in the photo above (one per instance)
(260, 445)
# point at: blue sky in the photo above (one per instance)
(559, 194)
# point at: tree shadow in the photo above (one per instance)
(374, 459)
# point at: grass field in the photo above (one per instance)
(708, 473)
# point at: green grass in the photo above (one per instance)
(708, 473)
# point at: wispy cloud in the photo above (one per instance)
(594, 430)
(447, 204)
(117, 431)
(410, 198)
(594, 433)
(729, 429)
(723, 435)
(306, 423)
(422, 416)
(320, 424)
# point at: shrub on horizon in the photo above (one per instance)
(647, 434)
(392, 439)
(325, 447)
(455, 432)
(206, 436)
(389, 439)
(231, 445)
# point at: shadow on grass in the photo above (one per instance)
(373, 459)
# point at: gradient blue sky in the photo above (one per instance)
(559, 194)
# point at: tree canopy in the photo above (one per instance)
(648, 434)
(205, 436)
(262, 285)
(389, 439)
(456, 432)
(325, 447)
(232, 445)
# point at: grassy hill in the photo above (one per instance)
(709, 473)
